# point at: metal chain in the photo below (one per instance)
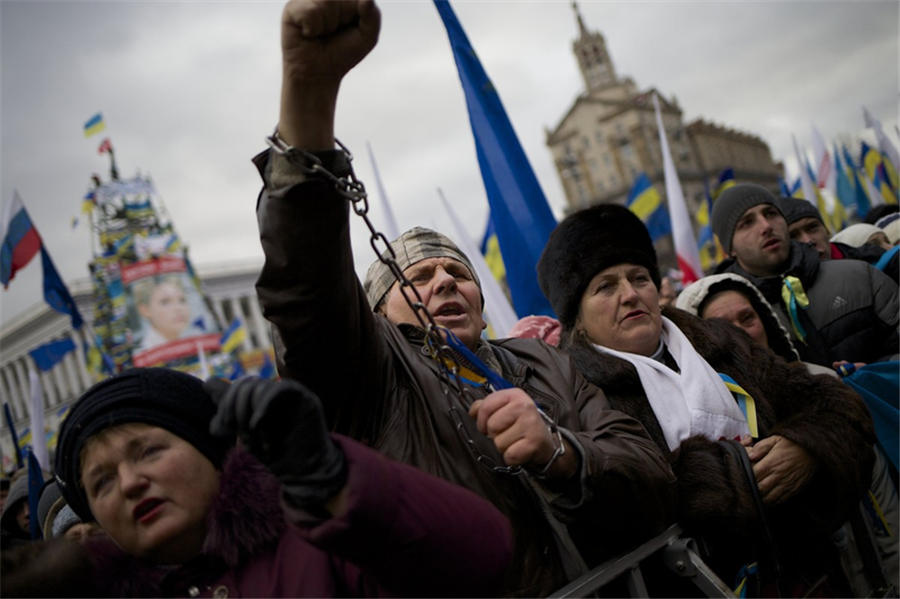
(353, 190)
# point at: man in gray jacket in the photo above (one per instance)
(836, 310)
(578, 480)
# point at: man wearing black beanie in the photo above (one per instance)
(836, 311)
(805, 225)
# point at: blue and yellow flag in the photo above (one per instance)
(726, 180)
(94, 125)
(843, 186)
(490, 249)
(645, 202)
(872, 162)
(233, 336)
(520, 212)
(711, 252)
(859, 191)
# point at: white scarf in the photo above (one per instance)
(692, 402)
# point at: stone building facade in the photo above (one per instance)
(609, 135)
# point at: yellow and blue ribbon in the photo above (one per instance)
(467, 366)
(794, 295)
(746, 571)
(745, 403)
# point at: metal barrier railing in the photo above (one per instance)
(679, 554)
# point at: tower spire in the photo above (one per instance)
(581, 28)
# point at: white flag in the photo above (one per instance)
(826, 177)
(204, 365)
(36, 409)
(884, 144)
(390, 223)
(499, 312)
(811, 193)
(682, 232)
(875, 197)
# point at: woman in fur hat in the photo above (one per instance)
(693, 383)
(291, 511)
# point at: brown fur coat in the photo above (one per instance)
(819, 413)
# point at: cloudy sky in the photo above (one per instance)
(189, 90)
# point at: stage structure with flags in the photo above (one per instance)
(144, 305)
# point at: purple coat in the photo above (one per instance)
(405, 533)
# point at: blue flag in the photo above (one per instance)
(862, 197)
(519, 210)
(55, 292)
(267, 370)
(50, 354)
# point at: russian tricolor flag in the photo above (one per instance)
(20, 240)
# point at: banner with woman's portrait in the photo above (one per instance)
(168, 318)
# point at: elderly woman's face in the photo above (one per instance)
(620, 310)
(736, 309)
(149, 490)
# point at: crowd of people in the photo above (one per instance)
(403, 453)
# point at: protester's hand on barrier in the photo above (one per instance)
(282, 423)
(781, 468)
(323, 39)
(511, 419)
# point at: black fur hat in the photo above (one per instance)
(585, 243)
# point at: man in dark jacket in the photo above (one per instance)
(805, 225)
(549, 452)
(836, 310)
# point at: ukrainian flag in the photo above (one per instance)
(490, 249)
(644, 201)
(874, 166)
(94, 125)
(726, 180)
(234, 336)
(710, 252)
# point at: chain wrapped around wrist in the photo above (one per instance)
(557, 453)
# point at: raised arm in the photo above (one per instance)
(324, 329)
(321, 40)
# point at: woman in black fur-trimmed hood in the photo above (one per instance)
(809, 441)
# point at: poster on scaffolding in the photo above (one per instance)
(167, 315)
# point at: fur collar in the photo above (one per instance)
(244, 520)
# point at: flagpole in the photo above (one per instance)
(390, 223)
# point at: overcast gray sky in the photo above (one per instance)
(189, 90)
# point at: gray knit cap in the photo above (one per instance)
(794, 209)
(413, 246)
(732, 204)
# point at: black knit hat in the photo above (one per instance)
(731, 206)
(794, 209)
(585, 243)
(160, 397)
